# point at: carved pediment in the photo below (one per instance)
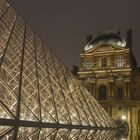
(104, 48)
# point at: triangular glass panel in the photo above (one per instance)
(38, 94)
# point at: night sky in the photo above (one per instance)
(64, 24)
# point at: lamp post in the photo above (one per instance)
(123, 127)
(123, 117)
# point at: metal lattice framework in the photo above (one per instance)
(39, 97)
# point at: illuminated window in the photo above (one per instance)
(88, 64)
(120, 93)
(104, 62)
(120, 62)
(102, 92)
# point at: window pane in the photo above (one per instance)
(120, 62)
(104, 62)
(120, 93)
(102, 93)
(88, 64)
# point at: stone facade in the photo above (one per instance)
(108, 70)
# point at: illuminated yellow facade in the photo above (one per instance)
(109, 71)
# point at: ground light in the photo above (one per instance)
(123, 117)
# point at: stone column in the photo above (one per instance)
(93, 87)
(127, 89)
(111, 88)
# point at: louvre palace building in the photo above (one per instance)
(109, 71)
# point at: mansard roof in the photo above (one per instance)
(110, 38)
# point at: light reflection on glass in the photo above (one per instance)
(37, 90)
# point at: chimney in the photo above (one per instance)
(89, 38)
(129, 38)
(75, 70)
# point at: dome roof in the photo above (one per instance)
(108, 38)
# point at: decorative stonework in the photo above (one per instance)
(121, 80)
(104, 48)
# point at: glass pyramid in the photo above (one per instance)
(39, 97)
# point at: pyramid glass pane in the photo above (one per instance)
(39, 97)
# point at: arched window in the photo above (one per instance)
(139, 117)
(102, 92)
(120, 93)
(104, 62)
(120, 62)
